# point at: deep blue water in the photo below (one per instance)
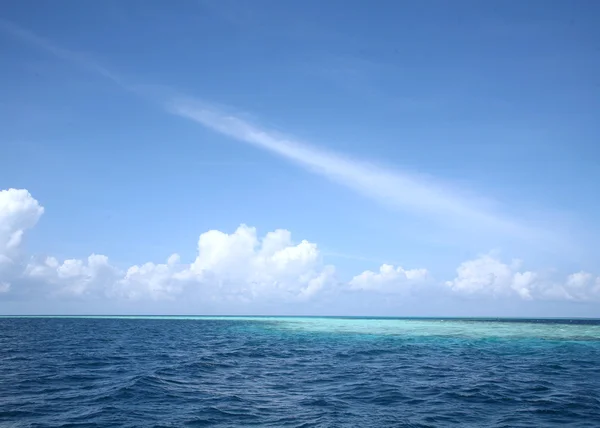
(298, 372)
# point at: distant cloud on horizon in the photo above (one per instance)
(243, 268)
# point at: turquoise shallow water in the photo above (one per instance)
(298, 372)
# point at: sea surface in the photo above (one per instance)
(298, 372)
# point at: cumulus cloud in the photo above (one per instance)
(242, 266)
(150, 280)
(235, 266)
(487, 275)
(19, 211)
(273, 265)
(580, 286)
(73, 277)
(490, 276)
(389, 279)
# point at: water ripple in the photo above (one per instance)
(289, 373)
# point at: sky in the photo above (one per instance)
(305, 158)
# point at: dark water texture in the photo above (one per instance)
(278, 373)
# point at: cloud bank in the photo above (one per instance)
(238, 266)
(389, 279)
(489, 276)
(244, 268)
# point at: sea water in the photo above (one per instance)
(298, 372)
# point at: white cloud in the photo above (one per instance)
(399, 189)
(389, 279)
(240, 263)
(236, 266)
(580, 286)
(487, 275)
(19, 211)
(243, 267)
(154, 281)
(73, 277)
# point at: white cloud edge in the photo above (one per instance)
(243, 267)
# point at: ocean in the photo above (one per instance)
(298, 372)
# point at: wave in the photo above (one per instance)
(138, 373)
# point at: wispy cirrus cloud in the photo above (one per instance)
(421, 196)
(397, 189)
(77, 58)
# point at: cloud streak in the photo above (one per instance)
(400, 190)
(68, 55)
(393, 188)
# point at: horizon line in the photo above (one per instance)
(437, 317)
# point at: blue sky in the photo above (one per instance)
(437, 137)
